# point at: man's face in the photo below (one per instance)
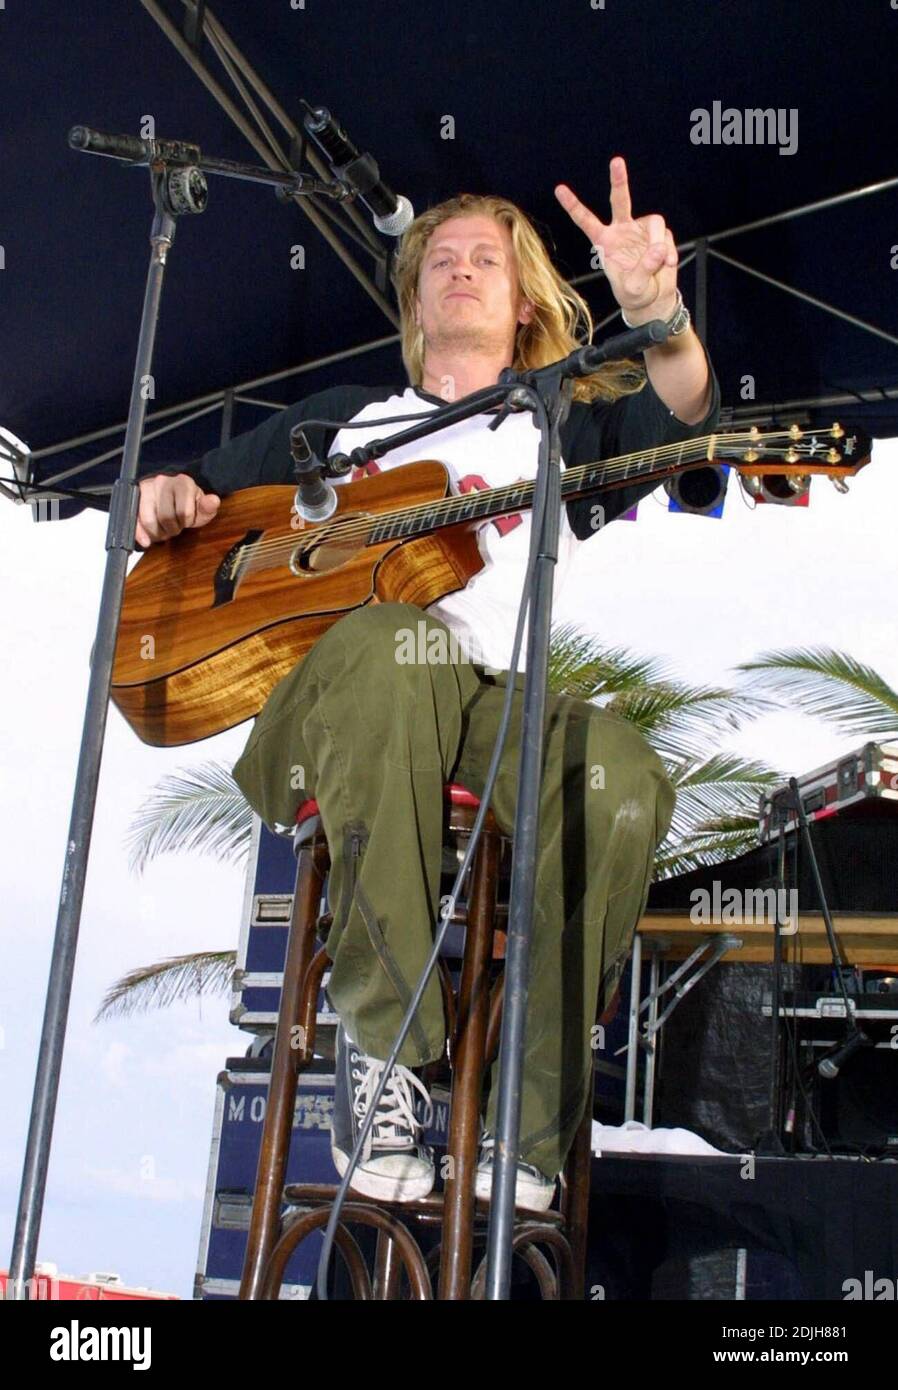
(468, 291)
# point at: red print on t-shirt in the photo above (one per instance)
(472, 482)
(366, 470)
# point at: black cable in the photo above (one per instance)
(92, 499)
(381, 420)
(798, 1070)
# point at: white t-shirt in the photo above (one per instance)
(483, 615)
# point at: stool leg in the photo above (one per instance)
(285, 1063)
(467, 1073)
(387, 1268)
(575, 1203)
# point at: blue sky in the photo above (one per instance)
(133, 1126)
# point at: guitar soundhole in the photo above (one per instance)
(329, 546)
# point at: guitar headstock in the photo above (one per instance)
(796, 454)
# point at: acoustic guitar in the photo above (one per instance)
(214, 618)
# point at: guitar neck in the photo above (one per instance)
(661, 462)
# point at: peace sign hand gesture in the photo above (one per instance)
(638, 255)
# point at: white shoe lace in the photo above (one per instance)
(395, 1123)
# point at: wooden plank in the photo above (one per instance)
(864, 939)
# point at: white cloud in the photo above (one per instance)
(193, 1064)
(112, 1062)
(144, 1184)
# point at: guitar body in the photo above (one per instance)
(200, 650)
(213, 619)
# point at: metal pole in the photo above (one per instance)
(823, 203)
(775, 409)
(547, 511)
(264, 147)
(808, 298)
(701, 289)
(200, 405)
(119, 544)
(633, 1028)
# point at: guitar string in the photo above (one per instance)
(259, 554)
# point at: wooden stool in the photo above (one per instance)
(473, 1017)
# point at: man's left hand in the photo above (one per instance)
(638, 255)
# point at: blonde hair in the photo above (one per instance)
(561, 319)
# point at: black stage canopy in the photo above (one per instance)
(510, 97)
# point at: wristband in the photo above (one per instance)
(678, 322)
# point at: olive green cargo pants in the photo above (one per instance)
(373, 737)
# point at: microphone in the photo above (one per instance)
(315, 500)
(832, 1065)
(392, 212)
(628, 344)
(131, 148)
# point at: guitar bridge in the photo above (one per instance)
(227, 576)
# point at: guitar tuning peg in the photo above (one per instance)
(839, 484)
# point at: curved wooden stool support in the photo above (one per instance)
(473, 1020)
(404, 1245)
(525, 1243)
(298, 1226)
(298, 1005)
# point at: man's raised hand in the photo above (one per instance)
(638, 255)
(171, 504)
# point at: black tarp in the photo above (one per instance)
(538, 93)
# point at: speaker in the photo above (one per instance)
(858, 1109)
(857, 852)
(714, 1065)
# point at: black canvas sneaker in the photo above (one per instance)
(532, 1189)
(394, 1164)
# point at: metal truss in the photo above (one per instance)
(199, 28)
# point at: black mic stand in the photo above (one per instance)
(178, 186)
(546, 391)
(551, 405)
(771, 1141)
(855, 1037)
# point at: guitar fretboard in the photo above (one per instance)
(516, 497)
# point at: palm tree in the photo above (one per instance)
(202, 810)
(831, 685)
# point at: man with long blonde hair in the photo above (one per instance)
(378, 733)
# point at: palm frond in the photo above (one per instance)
(830, 684)
(680, 720)
(580, 666)
(701, 851)
(726, 769)
(200, 809)
(166, 982)
(676, 718)
(717, 798)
